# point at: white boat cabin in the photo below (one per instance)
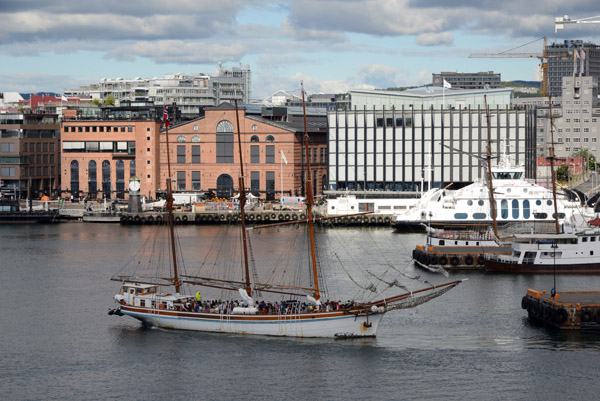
(146, 296)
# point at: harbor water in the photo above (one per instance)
(474, 342)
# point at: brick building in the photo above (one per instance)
(204, 152)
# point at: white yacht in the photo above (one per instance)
(517, 201)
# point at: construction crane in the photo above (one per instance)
(559, 23)
(542, 57)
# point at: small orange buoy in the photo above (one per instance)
(45, 198)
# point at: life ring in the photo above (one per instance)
(586, 316)
(198, 218)
(136, 219)
(159, 219)
(373, 220)
(229, 218)
(443, 260)
(524, 302)
(251, 217)
(387, 219)
(433, 260)
(468, 260)
(273, 216)
(294, 216)
(259, 217)
(221, 216)
(352, 220)
(184, 218)
(177, 220)
(454, 261)
(143, 220)
(480, 260)
(287, 217)
(267, 217)
(380, 219)
(561, 315)
(280, 217)
(150, 220)
(302, 216)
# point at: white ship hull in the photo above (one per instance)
(319, 324)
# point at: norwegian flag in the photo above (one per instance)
(166, 117)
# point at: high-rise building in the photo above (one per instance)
(570, 58)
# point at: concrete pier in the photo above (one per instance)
(252, 217)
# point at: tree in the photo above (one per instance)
(96, 102)
(110, 99)
(562, 173)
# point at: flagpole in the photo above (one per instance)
(281, 175)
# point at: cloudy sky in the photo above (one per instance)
(331, 45)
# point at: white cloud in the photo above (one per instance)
(435, 39)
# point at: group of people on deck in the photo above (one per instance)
(263, 308)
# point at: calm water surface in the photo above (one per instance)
(57, 341)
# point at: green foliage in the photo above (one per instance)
(96, 102)
(562, 173)
(110, 100)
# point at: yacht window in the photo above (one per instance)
(480, 202)
(540, 215)
(591, 252)
(469, 202)
(460, 216)
(504, 209)
(515, 209)
(467, 243)
(479, 216)
(442, 242)
(131, 291)
(508, 190)
(538, 202)
(142, 302)
(584, 239)
(549, 202)
(477, 243)
(592, 239)
(526, 211)
(138, 290)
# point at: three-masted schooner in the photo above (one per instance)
(142, 298)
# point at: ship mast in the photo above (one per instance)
(176, 281)
(552, 157)
(242, 204)
(309, 205)
(489, 166)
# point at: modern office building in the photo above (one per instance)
(432, 96)
(407, 149)
(467, 80)
(576, 119)
(569, 58)
(191, 93)
(29, 154)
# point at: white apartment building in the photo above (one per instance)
(190, 92)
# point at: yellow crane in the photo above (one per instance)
(542, 57)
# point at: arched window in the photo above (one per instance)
(270, 138)
(254, 138)
(74, 177)
(224, 142)
(195, 138)
(106, 179)
(224, 126)
(181, 138)
(92, 177)
(120, 179)
(224, 186)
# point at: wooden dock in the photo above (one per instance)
(570, 310)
